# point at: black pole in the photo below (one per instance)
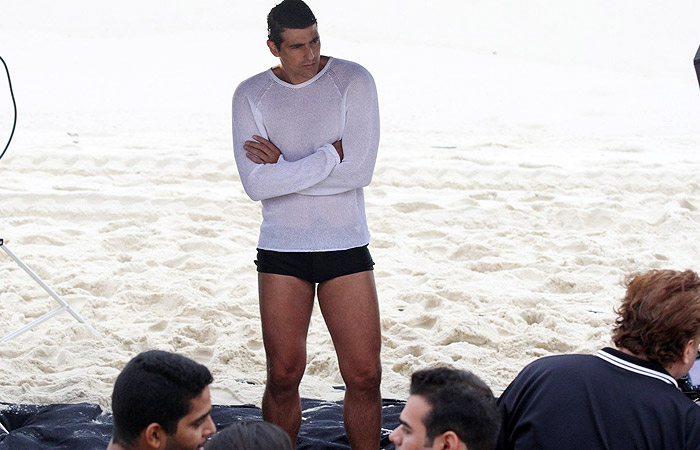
(697, 64)
(14, 104)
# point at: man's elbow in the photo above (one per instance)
(366, 180)
(254, 192)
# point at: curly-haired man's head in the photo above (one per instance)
(659, 316)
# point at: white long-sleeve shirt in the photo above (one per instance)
(311, 200)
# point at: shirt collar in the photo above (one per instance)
(636, 365)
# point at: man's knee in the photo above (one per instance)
(364, 378)
(285, 376)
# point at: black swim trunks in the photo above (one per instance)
(315, 267)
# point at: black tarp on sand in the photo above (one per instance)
(85, 426)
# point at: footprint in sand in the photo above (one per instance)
(255, 344)
(687, 205)
(463, 333)
(203, 355)
(159, 326)
(471, 251)
(428, 234)
(415, 207)
(532, 316)
(425, 321)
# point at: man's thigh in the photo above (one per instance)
(285, 310)
(350, 308)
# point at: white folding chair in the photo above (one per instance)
(63, 305)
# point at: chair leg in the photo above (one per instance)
(63, 303)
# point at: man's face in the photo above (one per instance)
(299, 53)
(411, 434)
(194, 429)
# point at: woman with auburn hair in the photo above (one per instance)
(659, 315)
(619, 398)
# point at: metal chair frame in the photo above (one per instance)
(63, 305)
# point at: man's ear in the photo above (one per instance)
(273, 48)
(449, 441)
(154, 436)
(690, 352)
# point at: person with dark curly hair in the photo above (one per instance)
(161, 401)
(448, 409)
(620, 398)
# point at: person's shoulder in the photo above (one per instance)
(559, 364)
(347, 74)
(251, 85)
(348, 65)
(348, 68)
(554, 373)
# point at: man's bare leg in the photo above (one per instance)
(350, 309)
(285, 309)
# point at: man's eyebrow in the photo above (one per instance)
(300, 44)
(315, 38)
(404, 424)
(203, 416)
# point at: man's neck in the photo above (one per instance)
(675, 369)
(114, 446)
(628, 352)
(282, 75)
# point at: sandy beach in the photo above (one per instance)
(530, 159)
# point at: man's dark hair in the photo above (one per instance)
(155, 386)
(293, 14)
(461, 402)
(250, 436)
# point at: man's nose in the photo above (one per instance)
(394, 436)
(210, 427)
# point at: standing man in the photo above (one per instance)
(161, 401)
(448, 409)
(305, 138)
(620, 398)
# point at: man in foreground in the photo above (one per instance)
(161, 402)
(448, 409)
(305, 139)
(619, 398)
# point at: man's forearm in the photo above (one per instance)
(338, 145)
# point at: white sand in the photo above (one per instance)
(531, 157)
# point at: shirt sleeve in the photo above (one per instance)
(360, 140)
(263, 181)
(505, 406)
